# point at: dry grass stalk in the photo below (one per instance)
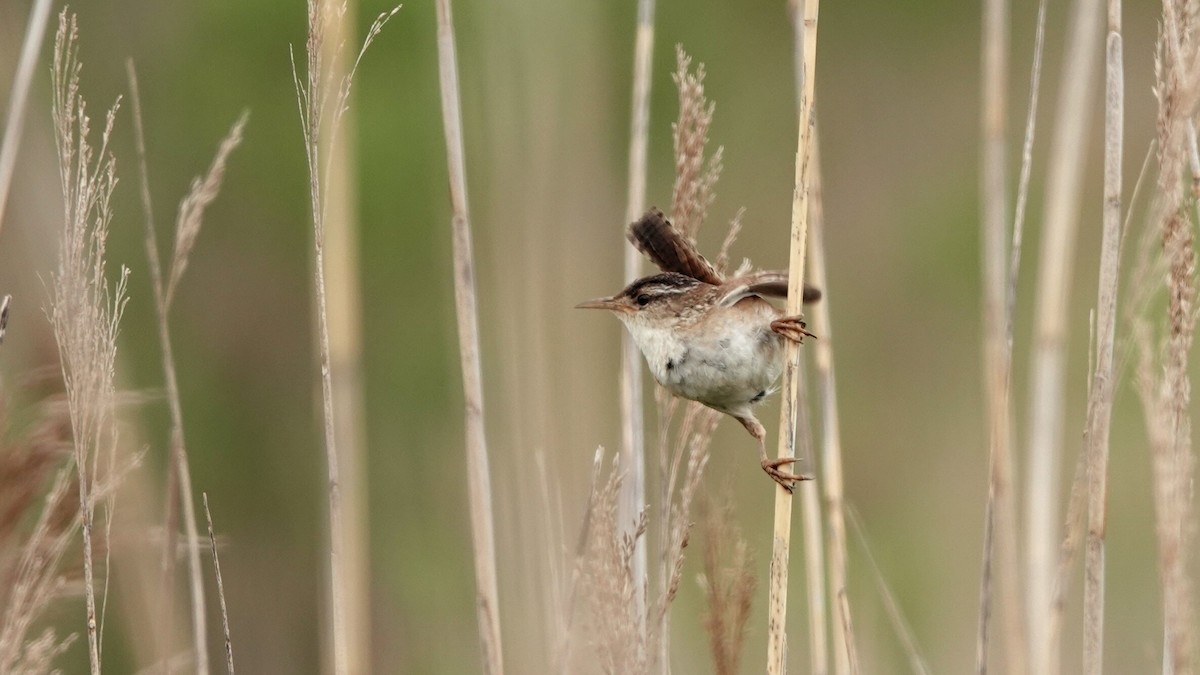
(187, 227)
(890, 604)
(479, 488)
(1100, 398)
(728, 583)
(781, 540)
(812, 523)
(843, 644)
(999, 274)
(31, 46)
(633, 423)
(323, 99)
(1164, 353)
(85, 310)
(31, 557)
(1048, 364)
(212, 539)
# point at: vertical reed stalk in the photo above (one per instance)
(996, 364)
(633, 428)
(810, 491)
(777, 595)
(345, 351)
(479, 487)
(35, 31)
(323, 91)
(1100, 399)
(180, 470)
(1061, 220)
(844, 649)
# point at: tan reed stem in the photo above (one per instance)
(1048, 364)
(479, 488)
(633, 425)
(810, 491)
(777, 594)
(1100, 399)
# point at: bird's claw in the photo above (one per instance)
(792, 328)
(786, 480)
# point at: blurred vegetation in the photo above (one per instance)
(546, 98)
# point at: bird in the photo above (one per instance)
(706, 338)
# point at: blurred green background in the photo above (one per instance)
(546, 89)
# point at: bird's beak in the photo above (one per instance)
(601, 303)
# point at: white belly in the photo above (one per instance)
(726, 365)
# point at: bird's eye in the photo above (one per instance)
(643, 300)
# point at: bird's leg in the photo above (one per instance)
(792, 328)
(771, 466)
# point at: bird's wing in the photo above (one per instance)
(768, 284)
(666, 247)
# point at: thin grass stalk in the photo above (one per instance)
(810, 491)
(843, 645)
(31, 47)
(1100, 399)
(479, 488)
(996, 361)
(781, 540)
(316, 96)
(345, 346)
(212, 540)
(1048, 365)
(633, 424)
(179, 474)
(890, 604)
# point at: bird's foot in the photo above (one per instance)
(792, 328)
(786, 480)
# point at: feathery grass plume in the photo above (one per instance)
(695, 175)
(323, 99)
(479, 482)
(728, 583)
(31, 46)
(187, 227)
(610, 590)
(806, 59)
(85, 310)
(34, 479)
(1167, 252)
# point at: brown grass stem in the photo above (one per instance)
(1100, 398)
(212, 540)
(479, 488)
(1048, 363)
(633, 424)
(781, 539)
(31, 47)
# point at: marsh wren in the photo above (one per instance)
(708, 339)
